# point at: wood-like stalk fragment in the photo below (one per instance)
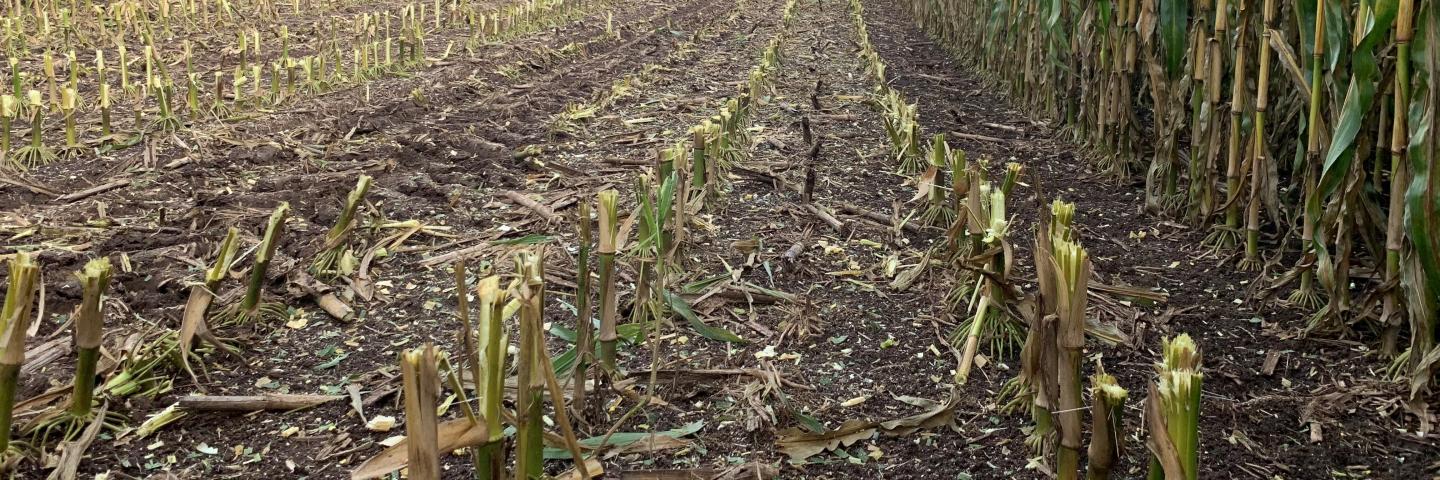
(421, 384)
(584, 315)
(1107, 426)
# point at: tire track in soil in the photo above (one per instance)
(1248, 418)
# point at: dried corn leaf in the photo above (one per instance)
(800, 445)
(454, 435)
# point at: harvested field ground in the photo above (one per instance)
(562, 112)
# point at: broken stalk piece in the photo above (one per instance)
(421, 384)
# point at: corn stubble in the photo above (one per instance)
(15, 318)
(66, 424)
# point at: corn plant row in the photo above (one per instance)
(47, 25)
(575, 114)
(159, 102)
(68, 25)
(1310, 128)
(718, 142)
(901, 118)
(973, 214)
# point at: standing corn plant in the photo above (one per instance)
(1336, 143)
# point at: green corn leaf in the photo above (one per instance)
(1422, 198)
(621, 439)
(531, 239)
(565, 362)
(682, 308)
(1359, 98)
(1174, 25)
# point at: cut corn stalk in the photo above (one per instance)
(1172, 412)
(490, 456)
(251, 308)
(89, 329)
(335, 258)
(609, 304)
(36, 153)
(421, 382)
(14, 322)
(1107, 425)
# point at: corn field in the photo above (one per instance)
(1298, 132)
(739, 239)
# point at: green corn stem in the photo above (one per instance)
(37, 123)
(14, 321)
(1237, 110)
(89, 327)
(217, 271)
(972, 337)
(1012, 177)
(17, 83)
(1179, 388)
(1071, 267)
(1399, 173)
(72, 137)
(9, 107)
(263, 255)
(1251, 260)
(105, 128)
(1312, 148)
(336, 238)
(492, 346)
